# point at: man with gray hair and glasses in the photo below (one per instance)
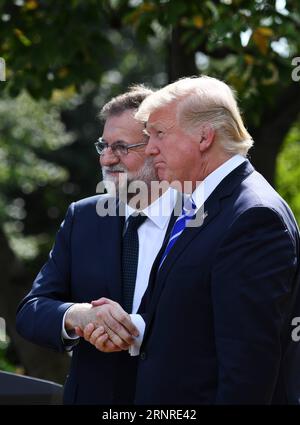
(106, 258)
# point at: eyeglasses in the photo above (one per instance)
(117, 148)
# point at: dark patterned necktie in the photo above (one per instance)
(130, 256)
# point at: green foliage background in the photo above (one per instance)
(288, 171)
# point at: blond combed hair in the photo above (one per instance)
(203, 100)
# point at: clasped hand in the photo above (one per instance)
(104, 324)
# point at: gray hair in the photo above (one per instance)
(201, 100)
(129, 100)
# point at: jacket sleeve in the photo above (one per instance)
(252, 282)
(40, 314)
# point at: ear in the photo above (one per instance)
(207, 137)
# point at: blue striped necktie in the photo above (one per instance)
(188, 212)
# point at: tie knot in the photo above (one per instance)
(135, 221)
(189, 207)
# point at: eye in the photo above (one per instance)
(160, 134)
(119, 147)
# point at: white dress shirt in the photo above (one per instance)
(151, 236)
(210, 183)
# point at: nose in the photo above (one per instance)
(151, 147)
(108, 158)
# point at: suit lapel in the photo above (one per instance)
(158, 276)
(211, 209)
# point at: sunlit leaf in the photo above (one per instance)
(198, 21)
(261, 37)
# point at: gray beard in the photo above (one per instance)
(121, 184)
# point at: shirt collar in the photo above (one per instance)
(209, 184)
(160, 210)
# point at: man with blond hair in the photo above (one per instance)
(224, 290)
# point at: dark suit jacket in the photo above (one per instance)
(218, 319)
(85, 264)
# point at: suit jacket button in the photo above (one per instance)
(143, 355)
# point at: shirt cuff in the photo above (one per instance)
(138, 321)
(69, 337)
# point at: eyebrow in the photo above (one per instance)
(120, 142)
(155, 123)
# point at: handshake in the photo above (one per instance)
(103, 323)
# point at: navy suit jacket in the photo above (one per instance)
(84, 264)
(218, 316)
